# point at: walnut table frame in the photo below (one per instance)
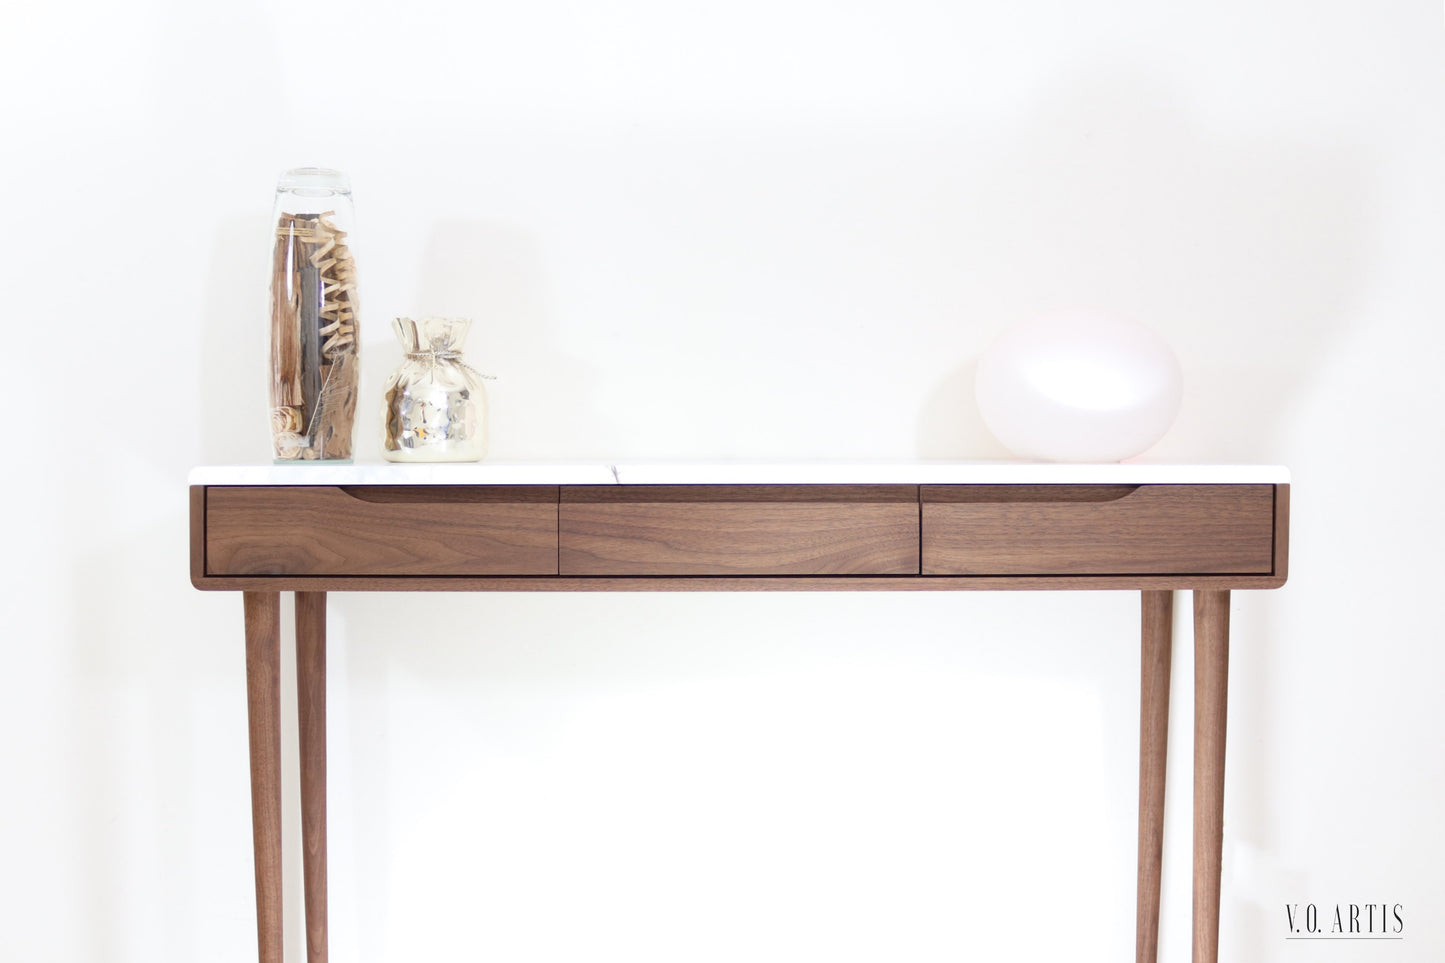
(1152, 529)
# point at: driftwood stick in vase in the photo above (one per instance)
(336, 312)
(323, 431)
(308, 284)
(338, 406)
(287, 397)
(286, 368)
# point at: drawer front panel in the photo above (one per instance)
(381, 530)
(1097, 529)
(739, 530)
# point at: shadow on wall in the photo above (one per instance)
(1245, 250)
(489, 272)
(234, 351)
(493, 273)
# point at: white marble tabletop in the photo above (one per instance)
(741, 473)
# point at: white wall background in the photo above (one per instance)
(746, 230)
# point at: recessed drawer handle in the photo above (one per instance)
(1016, 494)
(450, 494)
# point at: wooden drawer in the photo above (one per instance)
(381, 530)
(1097, 529)
(739, 530)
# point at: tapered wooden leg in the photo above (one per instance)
(263, 704)
(1158, 627)
(1211, 697)
(311, 719)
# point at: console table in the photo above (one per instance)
(1153, 529)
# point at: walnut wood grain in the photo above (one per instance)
(738, 530)
(422, 576)
(1281, 531)
(327, 531)
(1097, 529)
(311, 721)
(744, 583)
(1151, 538)
(263, 710)
(198, 532)
(1155, 654)
(1211, 699)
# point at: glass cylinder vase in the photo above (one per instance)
(436, 406)
(314, 361)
